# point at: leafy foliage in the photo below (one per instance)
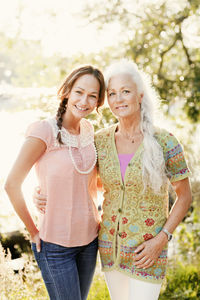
(155, 38)
(182, 283)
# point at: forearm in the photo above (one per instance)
(177, 213)
(180, 207)
(16, 197)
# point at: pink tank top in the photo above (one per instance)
(124, 160)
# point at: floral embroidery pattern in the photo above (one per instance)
(143, 214)
(114, 218)
(106, 223)
(147, 236)
(133, 228)
(124, 220)
(123, 235)
(112, 231)
(149, 222)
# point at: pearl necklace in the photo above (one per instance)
(73, 161)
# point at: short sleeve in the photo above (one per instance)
(41, 130)
(176, 165)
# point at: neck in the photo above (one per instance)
(71, 124)
(130, 126)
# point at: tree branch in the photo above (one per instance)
(185, 49)
(177, 37)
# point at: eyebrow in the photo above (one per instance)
(78, 87)
(123, 87)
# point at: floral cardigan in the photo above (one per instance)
(130, 214)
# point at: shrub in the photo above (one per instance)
(23, 284)
(182, 283)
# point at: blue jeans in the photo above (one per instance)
(67, 271)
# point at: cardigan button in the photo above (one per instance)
(122, 187)
(119, 210)
(129, 164)
(120, 234)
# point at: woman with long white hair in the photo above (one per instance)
(137, 162)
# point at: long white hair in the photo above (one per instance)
(153, 163)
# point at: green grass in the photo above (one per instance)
(99, 290)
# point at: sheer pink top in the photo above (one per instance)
(71, 217)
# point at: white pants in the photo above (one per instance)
(122, 287)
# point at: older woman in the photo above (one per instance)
(137, 162)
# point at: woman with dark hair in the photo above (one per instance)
(63, 152)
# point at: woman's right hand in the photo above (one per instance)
(36, 240)
(39, 200)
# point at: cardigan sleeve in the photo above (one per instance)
(176, 165)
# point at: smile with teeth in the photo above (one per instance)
(121, 106)
(81, 108)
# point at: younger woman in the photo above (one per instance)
(63, 151)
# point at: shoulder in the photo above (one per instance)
(41, 129)
(105, 132)
(43, 125)
(166, 139)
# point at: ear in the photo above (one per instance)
(141, 97)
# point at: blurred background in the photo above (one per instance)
(41, 42)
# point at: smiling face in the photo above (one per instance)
(83, 97)
(123, 97)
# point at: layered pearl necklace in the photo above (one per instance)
(86, 138)
(71, 140)
(75, 166)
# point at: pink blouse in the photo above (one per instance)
(71, 217)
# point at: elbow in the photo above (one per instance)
(9, 186)
(188, 201)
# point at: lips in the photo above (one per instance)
(81, 108)
(121, 106)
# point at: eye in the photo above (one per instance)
(126, 91)
(111, 94)
(78, 92)
(93, 96)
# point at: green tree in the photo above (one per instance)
(155, 37)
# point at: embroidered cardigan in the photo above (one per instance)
(130, 215)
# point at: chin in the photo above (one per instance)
(122, 114)
(80, 115)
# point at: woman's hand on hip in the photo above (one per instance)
(148, 252)
(36, 240)
(39, 200)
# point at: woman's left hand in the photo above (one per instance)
(148, 252)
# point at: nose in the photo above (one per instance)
(118, 97)
(84, 99)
